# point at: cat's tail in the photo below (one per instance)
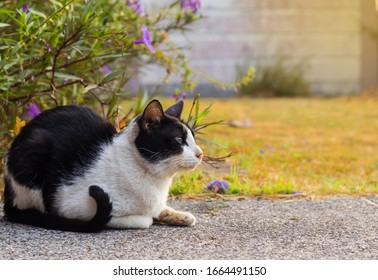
(49, 221)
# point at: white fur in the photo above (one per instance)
(25, 197)
(137, 189)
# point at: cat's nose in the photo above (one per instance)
(199, 154)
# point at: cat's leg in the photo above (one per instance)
(173, 217)
(132, 221)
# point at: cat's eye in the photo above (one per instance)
(179, 140)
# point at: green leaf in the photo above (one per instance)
(8, 12)
(89, 9)
(66, 76)
(113, 55)
(112, 76)
(112, 104)
(141, 101)
(6, 66)
(16, 20)
(4, 24)
(90, 87)
(210, 142)
(205, 125)
(203, 114)
(38, 13)
(197, 108)
(56, 3)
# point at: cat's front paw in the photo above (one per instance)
(186, 219)
(176, 218)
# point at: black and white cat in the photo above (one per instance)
(68, 169)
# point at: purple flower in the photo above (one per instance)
(136, 6)
(146, 39)
(26, 8)
(106, 69)
(266, 149)
(179, 96)
(192, 5)
(31, 111)
(217, 186)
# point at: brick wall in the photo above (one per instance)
(327, 34)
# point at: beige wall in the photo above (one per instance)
(369, 49)
(327, 33)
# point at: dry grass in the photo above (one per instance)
(311, 146)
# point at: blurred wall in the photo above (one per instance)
(369, 48)
(327, 34)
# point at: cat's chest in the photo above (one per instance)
(139, 195)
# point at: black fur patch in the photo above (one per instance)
(159, 131)
(160, 142)
(57, 146)
(8, 195)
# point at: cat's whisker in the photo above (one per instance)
(148, 151)
(155, 155)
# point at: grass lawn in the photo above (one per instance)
(308, 146)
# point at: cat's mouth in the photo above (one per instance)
(188, 167)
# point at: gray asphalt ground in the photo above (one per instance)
(247, 229)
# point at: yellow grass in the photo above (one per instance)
(311, 146)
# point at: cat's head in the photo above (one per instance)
(166, 142)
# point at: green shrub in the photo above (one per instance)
(280, 79)
(59, 52)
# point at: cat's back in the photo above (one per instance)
(58, 144)
(66, 119)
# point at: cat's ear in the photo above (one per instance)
(152, 114)
(175, 110)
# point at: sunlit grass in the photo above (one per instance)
(309, 146)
